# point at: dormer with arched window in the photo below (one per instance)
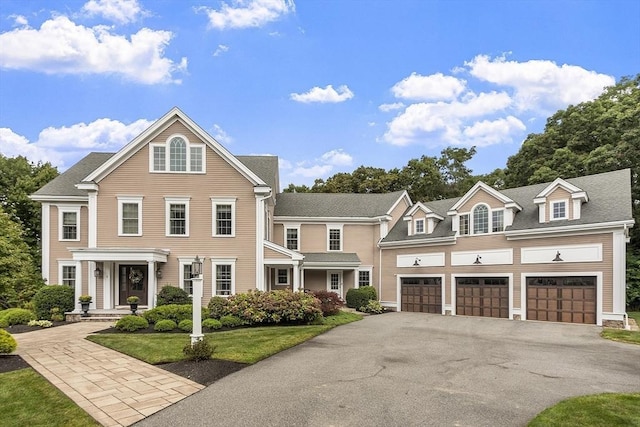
(177, 155)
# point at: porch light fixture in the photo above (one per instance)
(557, 258)
(477, 261)
(196, 267)
(416, 263)
(159, 273)
(97, 272)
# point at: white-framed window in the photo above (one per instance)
(282, 276)
(68, 272)
(334, 237)
(69, 223)
(185, 278)
(480, 219)
(292, 238)
(224, 276)
(177, 216)
(464, 225)
(364, 277)
(224, 214)
(419, 226)
(177, 155)
(559, 210)
(497, 221)
(129, 215)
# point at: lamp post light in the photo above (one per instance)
(196, 280)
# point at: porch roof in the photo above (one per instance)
(331, 260)
(120, 254)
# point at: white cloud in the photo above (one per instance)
(19, 20)
(247, 13)
(328, 94)
(337, 158)
(485, 132)
(322, 166)
(61, 46)
(316, 171)
(66, 145)
(390, 107)
(428, 88)
(120, 11)
(221, 136)
(221, 49)
(540, 84)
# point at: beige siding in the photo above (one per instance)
(59, 250)
(499, 242)
(397, 212)
(277, 235)
(313, 238)
(315, 280)
(481, 196)
(270, 253)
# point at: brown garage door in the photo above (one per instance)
(482, 296)
(421, 294)
(562, 299)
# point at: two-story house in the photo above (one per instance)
(131, 222)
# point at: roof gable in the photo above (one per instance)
(481, 186)
(175, 114)
(421, 207)
(576, 192)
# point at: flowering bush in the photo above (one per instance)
(258, 307)
(330, 302)
(175, 312)
(41, 323)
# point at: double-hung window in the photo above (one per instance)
(364, 278)
(419, 225)
(283, 276)
(67, 273)
(334, 238)
(177, 155)
(292, 238)
(130, 215)
(497, 221)
(187, 282)
(464, 224)
(224, 213)
(177, 216)
(224, 276)
(559, 210)
(69, 223)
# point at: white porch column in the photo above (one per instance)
(78, 288)
(45, 242)
(151, 284)
(302, 278)
(107, 286)
(197, 334)
(356, 278)
(297, 286)
(92, 285)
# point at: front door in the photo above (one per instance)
(335, 283)
(133, 282)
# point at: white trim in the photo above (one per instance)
(223, 261)
(78, 278)
(490, 190)
(415, 226)
(129, 200)
(292, 255)
(454, 276)
(62, 209)
(502, 256)
(368, 268)
(46, 241)
(125, 255)
(92, 286)
(322, 220)
(590, 252)
(93, 219)
(619, 271)
(340, 285)
(399, 278)
(599, 288)
(168, 201)
(107, 285)
(566, 230)
(335, 227)
(559, 182)
(182, 261)
(404, 196)
(424, 260)
(552, 205)
(215, 201)
(288, 282)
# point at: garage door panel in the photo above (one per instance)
(562, 299)
(423, 295)
(489, 297)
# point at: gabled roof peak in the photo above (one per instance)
(576, 192)
(488, 189)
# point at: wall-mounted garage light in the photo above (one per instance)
(477, 261)
(416, 263)
(557, 258)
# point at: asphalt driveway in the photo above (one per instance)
(415, 369)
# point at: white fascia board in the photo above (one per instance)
(533, 233)
(297, 256)
(328, 220)
(89, 186)
(330, 265)
(558, 182)
(53, 199)
(478, 186)
(404, 196)
(419, 242)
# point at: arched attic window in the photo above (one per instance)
(480, 219)
(177, 155)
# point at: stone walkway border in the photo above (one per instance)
(115, 389)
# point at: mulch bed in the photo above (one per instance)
(19, 329)
(205, 372)
(12, 362)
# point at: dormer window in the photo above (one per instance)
(419, 226)
(480, 220)
(464, 224)
(497, 221)
(559, 210)
(183, 156)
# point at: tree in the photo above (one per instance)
(18, 179)
(19, 280)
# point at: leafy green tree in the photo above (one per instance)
(18, 179)
(19, 280)
(292, 188)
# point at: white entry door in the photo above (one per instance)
(335, 282)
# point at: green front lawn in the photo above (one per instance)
(246, 345)
(27, 399)
(608, 409)
(630, 337)
(635, 315)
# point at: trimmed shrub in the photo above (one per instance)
(282, 306)
(359, 297)
(186, 325)
(330, 302)
(56, 315)
(53, 296)
(174, 312)
(40, 323)
(15, 316)
(131, 323)
(8, 344)
(231, 321)
(165, 325)
(172, 295)
(218, 307)
(200, 350)
(372, 307)
(211, 324)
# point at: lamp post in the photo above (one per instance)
(196, 280)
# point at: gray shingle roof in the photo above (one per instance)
(335, 204)
(64, 184)
(331, 257)
(266, 167)
(609, 200)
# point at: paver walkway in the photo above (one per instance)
(115, 389)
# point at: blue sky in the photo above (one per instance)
(326, 85)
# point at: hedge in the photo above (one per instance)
(53, 296)
(360, 297)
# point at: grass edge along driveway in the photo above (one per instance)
(621, 335)
(244, 345)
